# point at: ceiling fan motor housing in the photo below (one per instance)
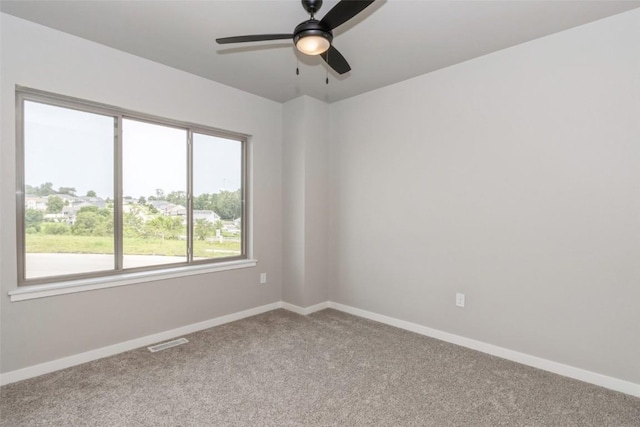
(312, 6)
(312, 27)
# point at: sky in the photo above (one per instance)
(71, 148)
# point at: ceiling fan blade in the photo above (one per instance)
(336, 60)
(254, 38)
(344, 11)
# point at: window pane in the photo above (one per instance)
(217, 197)
(154, 177)
(68, 217)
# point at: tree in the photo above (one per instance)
(200, 202)
(33, 220)
(142, 200)
(203, 229)
(30, 189)
(67, 190)
(43, 190)
(56, 228)
(93, 221)
(229, 205)
(133, 223)
(91, 193)
(177, 198)
(205, 202)
(86, 223)
(165, 227)
(90, 208)
(54, 204)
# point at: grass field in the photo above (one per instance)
(42, 243)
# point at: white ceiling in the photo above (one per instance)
(391, 41)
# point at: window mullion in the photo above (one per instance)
(117, 197)
(190, 224)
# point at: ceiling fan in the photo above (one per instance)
(313, 37)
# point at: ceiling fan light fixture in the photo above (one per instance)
(312, 37)
(313, 45)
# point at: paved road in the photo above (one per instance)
(41, 265)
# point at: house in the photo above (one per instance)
(207, 215)
(510, 178)
(59, 217)
(95, 201)
(69, 199)
(160, 205)
(174, 210)
(35, 202)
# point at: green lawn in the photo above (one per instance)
(42, 243)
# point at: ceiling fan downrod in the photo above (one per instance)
(312, 6)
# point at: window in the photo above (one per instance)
(104, 191)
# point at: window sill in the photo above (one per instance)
(60, 288)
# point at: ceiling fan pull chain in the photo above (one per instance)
(327, 69)
(297, 65)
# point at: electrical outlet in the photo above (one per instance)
(460, 300)
(263, 278)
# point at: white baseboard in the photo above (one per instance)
(305, 310)
(547, 365)
(78, 359)
(536, 362)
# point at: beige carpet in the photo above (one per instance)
(326, 369)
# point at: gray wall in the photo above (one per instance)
(306, 210)
(41, 330)
(293, 182)
(513, 178)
